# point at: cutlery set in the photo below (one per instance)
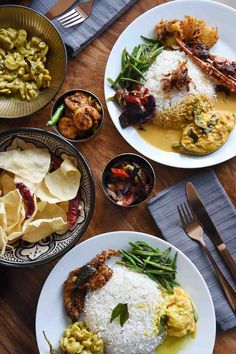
(73, 17)
(194, 219)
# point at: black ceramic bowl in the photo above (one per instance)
(48, 249)
(91, 133)
(129, 158)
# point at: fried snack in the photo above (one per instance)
(190, 29)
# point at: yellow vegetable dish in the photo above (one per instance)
(22, 64)
(180, 312)
(77, 339)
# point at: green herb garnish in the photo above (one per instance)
(157, 265)
(121, 310)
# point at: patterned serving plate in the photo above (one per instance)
(53, 246)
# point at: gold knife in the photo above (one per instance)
(204, 218)
(58, 9)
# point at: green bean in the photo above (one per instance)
(131, 80)
(137, 71)
(154, 264)
(134, 245)
(152, 40)
(128, 257)
(56, 116)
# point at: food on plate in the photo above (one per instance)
(91, 276)
(39, 195)
(78, 117)
(180, 312)
(179, 86)
(22, 64)
(127, 183)
(134, 64)
(175, 106)
(132, 310)
(78, 339)
(220, 69)
(189, 29)
(208, 133)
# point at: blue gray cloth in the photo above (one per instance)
(163, 208)
(104, 13)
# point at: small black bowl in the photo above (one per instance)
(130, 158)
(60, 100)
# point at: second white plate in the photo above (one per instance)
(51, 318)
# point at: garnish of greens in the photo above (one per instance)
(157, 265)
(56, 116)
(138, 104)
(134, 64)
(121, 311)
(52, 350)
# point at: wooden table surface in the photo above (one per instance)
(20, 289)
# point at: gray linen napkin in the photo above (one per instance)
(163, 209)
(105, 12)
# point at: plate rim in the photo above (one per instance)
(93, 194)
(187, 163)
(124, 233)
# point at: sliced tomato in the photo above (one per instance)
(119, 172)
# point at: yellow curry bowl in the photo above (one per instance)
(33, 61)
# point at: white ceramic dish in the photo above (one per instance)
(214, 14)
(50, 315)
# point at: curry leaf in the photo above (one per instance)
(122, 311)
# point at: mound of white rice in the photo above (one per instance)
(139, 334)
(172, 107)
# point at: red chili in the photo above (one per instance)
(55, 162)
(119, 172)
(73, 211)
(28, 199)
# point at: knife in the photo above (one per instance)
(204, 218)
(60, 7)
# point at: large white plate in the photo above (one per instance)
(50, 316)
(215, 14)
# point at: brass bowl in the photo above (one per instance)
(36, 25)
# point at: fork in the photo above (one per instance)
(77, 15)
(194, 230)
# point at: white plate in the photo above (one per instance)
(50, 316)
(215, 14)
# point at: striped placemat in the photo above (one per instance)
(105, 12)
(163, 209)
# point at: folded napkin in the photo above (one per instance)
(163, 209)
(105, 12)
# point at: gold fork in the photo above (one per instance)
(77, 15)
(194, 230)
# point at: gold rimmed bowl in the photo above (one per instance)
(36, 25)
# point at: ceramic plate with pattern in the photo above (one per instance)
(25, 254)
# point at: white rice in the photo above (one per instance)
(166, 62)
(138, 335)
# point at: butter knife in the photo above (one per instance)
(58, 9)
(204, 218)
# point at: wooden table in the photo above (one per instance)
(20, 289)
